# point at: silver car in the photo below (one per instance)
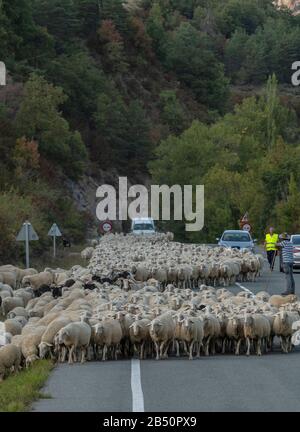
(238, 239)
(295, 239)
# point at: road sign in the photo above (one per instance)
(27, 234)
(32, 235)
(247, 227)
(54, 231)
(106, 226)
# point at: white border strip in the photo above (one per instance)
(136, 387)
(245, 289)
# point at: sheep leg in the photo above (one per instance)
(237, 350)
(142, 350)
(224, 346)
(191, 350)
(71, 350)
(198, 349)
(161, 349)
(248, 346)
(166, 350)
(104, 353)
(177, 348)
(259, 346)
(83, 353)
(157, 350)
(207, 346)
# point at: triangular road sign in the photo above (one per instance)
(54, 231)
(32, 235)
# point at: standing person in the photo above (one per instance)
(271, 241)
(287, 260)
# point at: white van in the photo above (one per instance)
(142, 226)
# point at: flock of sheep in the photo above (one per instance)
(150, 298)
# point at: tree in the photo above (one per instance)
(172, 111)
(39, 119)
(288, 210)
(155, 29)
(196, 65)
(112, 47)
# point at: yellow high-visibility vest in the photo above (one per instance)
(271, 241)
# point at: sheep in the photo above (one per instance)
(192, 333)
(87, 253)
(212, 328)
(18, 311)
(47, 341)
(30, 343)
(277, 300)
(25, 294)
(10, 358)
(9, 278)
(282, 327)
(108, 335)
(13, 327)
(235, 332)
(139, 335)
(256, 328)
(9, 303)
(75, 335)
(162, 332)
(39, 279)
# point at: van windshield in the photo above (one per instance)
(143, 227)
(296, 240)
(236, 237)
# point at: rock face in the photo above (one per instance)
(294, 5)
(83, 193)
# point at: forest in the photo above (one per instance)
(186, 91)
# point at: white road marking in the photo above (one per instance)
(136, 387)
(245, 289)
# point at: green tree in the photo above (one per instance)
(196, 65)
(172, 111)
(39, 119)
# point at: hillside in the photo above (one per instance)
(96, 89)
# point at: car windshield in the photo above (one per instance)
(143, 227)
(236, 237)
(296, 240)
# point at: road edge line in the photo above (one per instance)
(136, 387)
(245, 289)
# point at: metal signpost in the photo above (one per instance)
(27, 234)
(54, 232)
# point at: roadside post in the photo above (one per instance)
(54, 232)
(27, 234)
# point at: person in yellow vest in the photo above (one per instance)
(270, 245)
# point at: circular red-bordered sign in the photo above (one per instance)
(106, 227)
(247, 227)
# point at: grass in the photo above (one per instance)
(17, 392)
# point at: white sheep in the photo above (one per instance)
(10, 358)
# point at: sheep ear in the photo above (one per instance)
(148, 325)
(130, 326)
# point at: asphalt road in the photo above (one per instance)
(215, 383)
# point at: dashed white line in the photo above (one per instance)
(136, 387)
(245, 289)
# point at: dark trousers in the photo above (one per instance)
(270, 256)
(289, 277)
